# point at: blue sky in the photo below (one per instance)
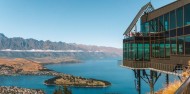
(91, 22)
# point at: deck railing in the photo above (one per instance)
(184, 88)
(159, 66)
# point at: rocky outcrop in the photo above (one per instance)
(17, 90)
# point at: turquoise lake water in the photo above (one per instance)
(122, 79)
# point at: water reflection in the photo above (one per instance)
(150, 77)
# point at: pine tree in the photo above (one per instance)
(62, 90)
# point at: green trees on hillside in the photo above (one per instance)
(62, 90)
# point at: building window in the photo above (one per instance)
(166, 22)
(151, 26)
(142, 27)
(173, 45)
(161, 23)
(180, 45)
(155, 25)
(187, 14)
(167, 47)
(129, 51)
(139, 54)
(162, 49)
(187, 30)
(132, 51)
(187, 45)
(179, 31)
(172, 20)
(146, 51)
(156, 49)
(153, 49)
(179, 13)
(125, 51)
(147, 27)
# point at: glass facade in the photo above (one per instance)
(146, 51)
(167, 45)
(173, 46)
(166, 22)
(187, 14)
(179, 13)
(170, 35)
(172, 20)
(161, 23)
(180, 45)
(187, 45)
(162, 48)
(136, 51)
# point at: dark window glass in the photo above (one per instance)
(143, 27)
(166, 34)
(162, 34)
(134, 51)
(162, 49)
(179, 13)
(130, 54)
(146, 51)
(147, 27)
(153, 49)
(187, 14)
(179, 31)
(180, 45)
(161, 23)
(151, 26)
(172, 20)
(187, 30)
(154, 25)
(139, 54)
(167, 45)
(166, 22)
(156, 49)
(124, 51)
(173, 33)
(173, 45)
(187, 45)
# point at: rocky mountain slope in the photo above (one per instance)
(31, 48)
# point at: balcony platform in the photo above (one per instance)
(174, 69)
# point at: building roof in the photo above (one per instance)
(167, 8)
(139, 14)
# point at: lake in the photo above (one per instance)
(122, 79)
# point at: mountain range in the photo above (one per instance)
(18, 47)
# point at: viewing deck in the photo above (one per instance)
(169, 68)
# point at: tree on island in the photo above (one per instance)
(62, 90)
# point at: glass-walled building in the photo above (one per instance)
(164, 34)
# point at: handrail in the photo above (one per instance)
(182, 88)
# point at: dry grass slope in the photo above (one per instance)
(172, 87)
(21, 64)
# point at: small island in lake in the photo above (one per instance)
(76, 81)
